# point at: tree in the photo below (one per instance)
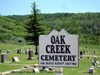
(34, 27)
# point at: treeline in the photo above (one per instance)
(86, 25)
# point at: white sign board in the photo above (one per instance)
(59, 49)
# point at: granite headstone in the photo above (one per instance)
(4, 58)
(18, 51)
(31, 55)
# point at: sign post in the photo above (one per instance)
(59, 71)
(58, 49)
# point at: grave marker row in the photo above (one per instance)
(26, 52)
(4, 57)
(84, 51)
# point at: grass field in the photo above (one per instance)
(83, 68)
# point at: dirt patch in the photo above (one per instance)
(14, 71)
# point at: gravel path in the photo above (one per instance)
(91, 55)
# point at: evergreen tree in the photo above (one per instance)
(34, 27)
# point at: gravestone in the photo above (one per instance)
(93, 63)
(36, 70)
(15, 59)
(0, 51)
(31, 55)
(79, 58)
(95, 59)
(87, 51)
(4, 58)
(8, 51)
(46, 69)
(26, 52)
(18, 51)
(50, 68)
(87, 57)
(43, 68)
(84, 51)
(94, 52)
(81, 54)
(91, 70)
(22, 50)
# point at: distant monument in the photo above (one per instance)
(81, 54)
(8, 51)
(94, 52)
(18, 51)
(31, 55)
(26, 52)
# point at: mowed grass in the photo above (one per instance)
(22, 57)
(83, 68)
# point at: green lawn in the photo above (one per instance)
(83, 68)
(22, 57)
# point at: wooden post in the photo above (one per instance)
(59, 71)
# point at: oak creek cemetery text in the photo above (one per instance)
(58, 46)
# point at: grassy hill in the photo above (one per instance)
(86, 25)
(11, 31)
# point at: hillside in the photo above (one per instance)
(11, 31)
(86, 25)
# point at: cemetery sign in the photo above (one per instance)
(58, 49)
